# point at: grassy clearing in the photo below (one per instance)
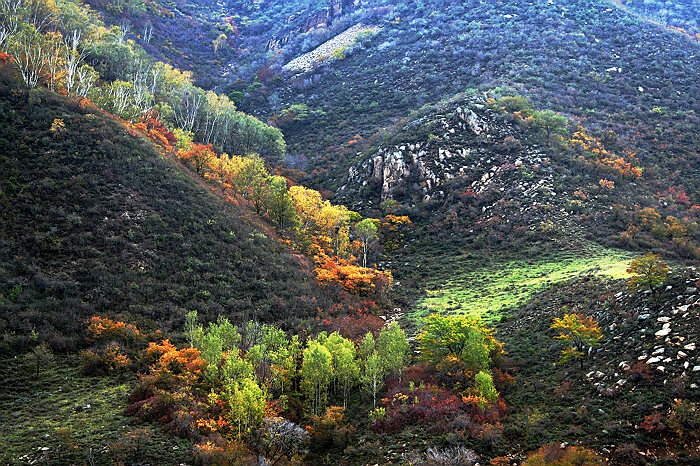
(486, 289)
(89, 412)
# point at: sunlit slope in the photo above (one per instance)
(485, 289)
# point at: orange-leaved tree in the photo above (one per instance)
(199, 156)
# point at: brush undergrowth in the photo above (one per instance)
(63, 417)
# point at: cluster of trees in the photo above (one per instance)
(454, 384)
(593, 151)
(553, 125)
(465, 344)
(234, 382)
(244, 389)
(66, 47)
(649, 228)
(332, 363)
(340, 241)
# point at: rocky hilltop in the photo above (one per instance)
(468, 155)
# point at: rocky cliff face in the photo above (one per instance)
(470, 155)
(321, 19)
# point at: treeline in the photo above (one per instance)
(234, 391)
(66, 47)
(341, 243)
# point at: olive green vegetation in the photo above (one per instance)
(63, 417)
(114, 227)
(486, 289)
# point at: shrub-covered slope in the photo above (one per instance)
(94, 220)
(647, 361)
(681, 14)
(590, 59)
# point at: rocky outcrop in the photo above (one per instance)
(430, 164)
(476, 152)
(324, 52)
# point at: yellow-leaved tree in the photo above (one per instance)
(579, 332)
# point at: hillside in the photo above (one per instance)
(350, 232)
(591, 60)
(96, 221)
(683, 15)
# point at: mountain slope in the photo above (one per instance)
(96, 221)
(589, 59)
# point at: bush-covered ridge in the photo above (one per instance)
(95, 220)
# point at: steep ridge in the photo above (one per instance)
(96, 221)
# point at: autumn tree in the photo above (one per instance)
(361, 281)
(199, 156)
(648, 272)
(578, 332)
(323, 225)
(193, 330)
(393, 230)
(366, 232)
(308, 203)
(217, 344)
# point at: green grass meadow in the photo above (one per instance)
(486, 288)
